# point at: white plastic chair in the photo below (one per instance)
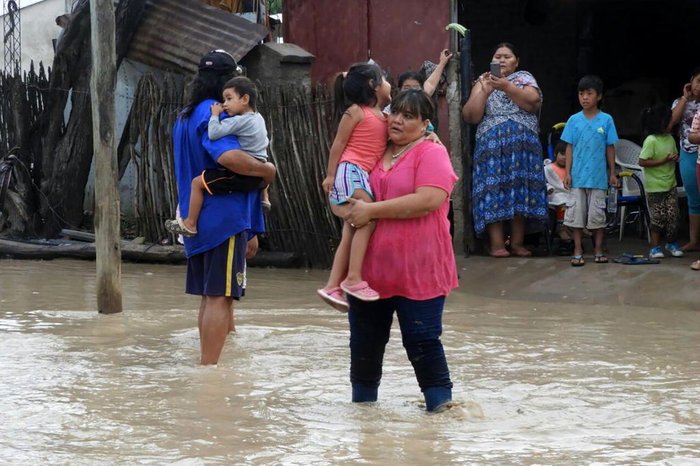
(627, 157)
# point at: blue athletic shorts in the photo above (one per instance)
(348, 178)
(220, 271)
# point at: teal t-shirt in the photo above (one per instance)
(661, 178)
(589, 138)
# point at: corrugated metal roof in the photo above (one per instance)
(174, 34)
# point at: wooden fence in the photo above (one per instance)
(299, 122)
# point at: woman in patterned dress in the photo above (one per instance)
(508, 178)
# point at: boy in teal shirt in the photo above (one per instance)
(590, 136)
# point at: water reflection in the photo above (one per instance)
(579, 385)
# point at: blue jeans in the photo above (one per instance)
(688, 165)
(421, 327)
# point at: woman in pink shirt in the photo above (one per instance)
(409, 261)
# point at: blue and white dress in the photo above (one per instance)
(508, 174)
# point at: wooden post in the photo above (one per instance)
(103, 80)
(456, 155)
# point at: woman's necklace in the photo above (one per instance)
(395, 156)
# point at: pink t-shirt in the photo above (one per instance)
(367, 141)
(413, 257)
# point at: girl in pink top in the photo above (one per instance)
(410, 260)
(359, 143)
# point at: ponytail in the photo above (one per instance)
(340, 103)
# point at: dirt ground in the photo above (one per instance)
(671, 284)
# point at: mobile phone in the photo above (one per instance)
(496, 70)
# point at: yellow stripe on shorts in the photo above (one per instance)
(229, 265)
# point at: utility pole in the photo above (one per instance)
(103, 80)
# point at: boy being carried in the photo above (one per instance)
(240, 96)
(590, 136)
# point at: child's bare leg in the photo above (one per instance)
(358, 247)
(196, 201)
(655, 239)
(265, 196)
(360, 241)
(339, 268)
(598, 236)
(578, 238)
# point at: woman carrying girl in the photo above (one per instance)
(658, 159)
(359, 143)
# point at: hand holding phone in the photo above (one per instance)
(496, 70)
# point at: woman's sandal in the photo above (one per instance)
(600, 259)
(695, 265)
(577, 261)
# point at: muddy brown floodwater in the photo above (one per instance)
(541, 377)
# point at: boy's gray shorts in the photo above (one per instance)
(585, 208)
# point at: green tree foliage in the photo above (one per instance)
(275, 6)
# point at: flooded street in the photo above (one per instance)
(595, 372)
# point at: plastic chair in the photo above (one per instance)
(627, 158)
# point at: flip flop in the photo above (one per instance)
(600, 259)
(577, 261)
(360, 290)
(178, 227)
(695, 265)
(630, 259)
(334, 298)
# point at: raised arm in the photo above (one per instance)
(433, 80)
(677, 111)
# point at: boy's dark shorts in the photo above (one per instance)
(220, 271)
(224, 181)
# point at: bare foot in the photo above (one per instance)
(690, 247)
(520, 251)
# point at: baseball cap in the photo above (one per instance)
(218, 60)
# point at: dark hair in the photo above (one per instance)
(591, 82)
(696, 71)
(206, 84)
(244, 86)
(414, 101)
(414, 75)
(507, 45)
(655, 120)
(358, 85)
(560, 148)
